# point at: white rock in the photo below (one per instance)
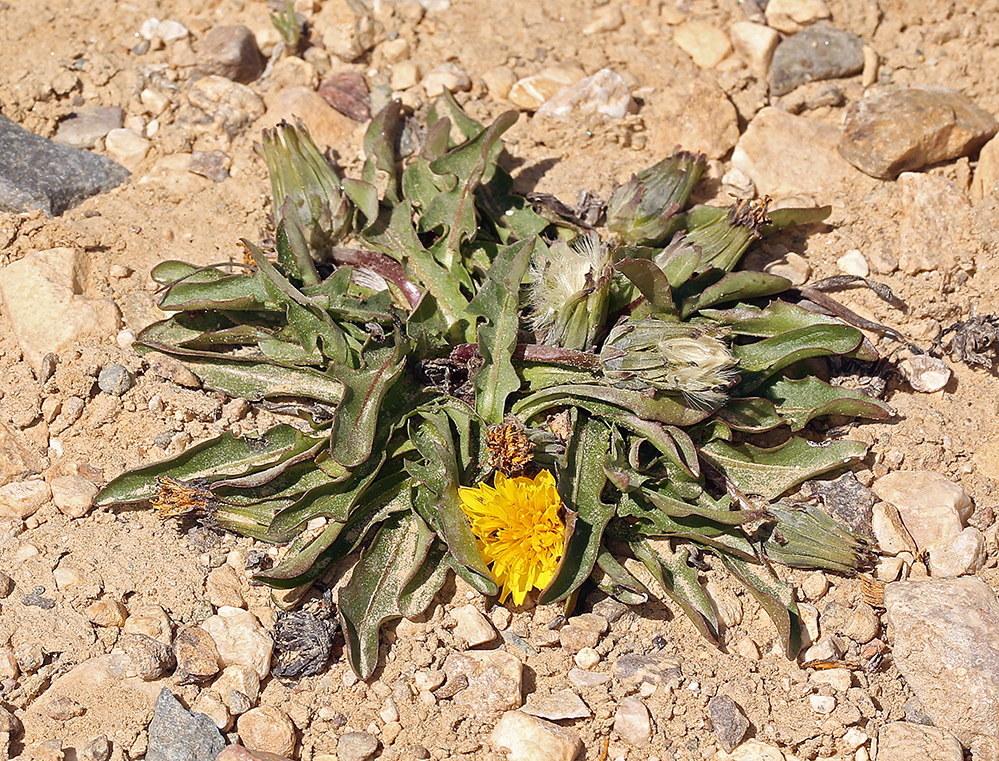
(810, 622)
(790, 16)
(755, 44)
(889, 530)
(748, 649)
(240, 639)
(42, 297)
(633, 722)
(448, 76)
(738, 184)
(214, 709)
(106, 613)
(705, 43)
(824, 704)
(932, 507)
(526, 738)
(839, 679)
(73, 495)
(925, 374)
(854, 738)
(531, 92)
(559, 706)
(127, 147)
(495, 680)
(753, 750)
(22, 499)
(405, 74)
(606, 19)
(605, 93)
(587, 658)
(152, 621)
(962, 554)
(499, 81)
(792, 266)
(242, 679)
(853, 262)
(472, 626)
(170, 30)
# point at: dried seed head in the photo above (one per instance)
(175, 497)
(510, 450)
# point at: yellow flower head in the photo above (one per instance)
(519, 530)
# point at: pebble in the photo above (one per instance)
(582, 631)
(787, 155)
(114, 379)
(239, 753)
(86, 126)
(985, 181)
(347, 29)
(606, 19)
(238, 679)
(62, 708)
(224, 589)
(531, 92)
(963, 554)
(864, 624)
(176, 734)
(584, 679)
(633, 722)
(820, 52)
(889, 530)
(933, 220)
(72, 175)
(127, 147)
(166, 367)
(197, 655)
(925, 374)
(828, 648)
(152, 621)
(231, 52)
(356, 746)
(6, 585)
(327, 126)
(240, 639)
(494, 679)
(526, 738)
(214, 709)
(893, 131)
(215, 166)
(704, 42)
(932, 507)
(106, 613)
(903, 741)
(447, 76)
(755, 44)
(429, 679)
(634, 669)
(853, 262)
(98, 749)
(472, 626)
(268, 729)
(748, 649)
(394, 51)
(839, 679)
(823, 704)
(347, 92)
(791, 16)
(22, 499)
(499, 81)
(696, 114)
(8, 664)
(405, 74)
(728, 721)
(586, 658)
(944, 635)
(230, 106)
(604, 93)
(150, 658)
(792, 266)
(561, 705)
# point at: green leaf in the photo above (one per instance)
(239, 292)
(371, 597)
(799, 401)
(751, 415)
(428, 578)
(652, 283)
(379, 146)
(733, 287)
(775, 597)
(498, 301)
(615, 580)
(793, 217)
(580, 485)
(666, 408)
(446, 107)
(771, 472)
(776, 318)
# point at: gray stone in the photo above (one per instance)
(902, 741)
(945, 635)
(176, 734)
(729, 722)
(83, 128)
(635, 668)
(894, 131)
(211, 164)
(356, 746)
(98, 749)
(151, 659)
(819, 52)
(633, 722)
(231, 52)
(847, 499)
(564, 704)
(114, 379)
(36, 173)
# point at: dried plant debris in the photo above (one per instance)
(303, 640)
(974, 341)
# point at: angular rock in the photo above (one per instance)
(925, 374)
(107, 613)
(695, 114)
(346, 28)
(788, 155)
(530, 92)
(932, 507)
(819, 52)
(847, 499)
(42, 297)
(17, 456)
(493, 677)
(903, 741)
(526, 738)
(472, 626)
(211, 164)
(945, 634)
(962, 554)
(240, 639)
(36, 173)
(150, 658)
(356, 746)
(127, 147)
(755, 44)
(633, 722)
(229, 105)
(447, 76)
(791, 16)
(73, 495)
(347, 92)
(561, 705)
(328, 127)
(176, 734)
(268, 729)
(604, 93)
(239, 679)
(231, 52)
(933, 222)
(223, 588)
(704, 42)
(729, 722)
(894, 131)
(197, 655)
(84, 127)
(986, 179)
(582, 631)
(22, 499)
(633, 669)
(152, 621)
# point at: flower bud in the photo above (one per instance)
(724, 234)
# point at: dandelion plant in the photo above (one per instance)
(485, 388)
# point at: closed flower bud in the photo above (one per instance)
(724, 234)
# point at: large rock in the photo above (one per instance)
(820, 52)
(696, 115)
(895, 131)
(176, 734)
(945, 635)
(327, 126)
(43, 298)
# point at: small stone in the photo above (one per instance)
(931, 506)
(73, 495)
(963, 554)
(791, 16)
(755, 44)
(493, 677)
(586, 658)
(839, 679)
(237, 679)
(405, 74)
(633, 722)
(197, 655)
(825, 649)
(214, 709)
(561, 705)
(231, 52)
(429, 680)
(606, 19)
(815, 585)
(83, 128)
(729, 722)
(346, 29)
(738, 184)
(696, 114)
(154, 101)
(863, 625)
(792, 266)
(62, 708)
(901, 740)
(327, 126)
(22, 499)
(240, 639)
(70, 175)
(748, 649)
(114, 379)
(150, 658)
(934, 218)
(268, 729)
(705, 43)
(176, 734)
(223, 588)
(394, 51)
(215, 166)
(499, 81)
(925, 374)
(823, 704)
(169, 30)
(168, 368)
(447, 76)
(894, 131)
(633, 669)
(98, 749)
(347, 92)
(356, 746)
(152, 621)
(526, 738)
(604, 93)
(582, 631)
(853, 262)
(820, 52)
(472, 626)
(106, 613)
(230, 106)
(389, 712)
(8, 664)
(127, 147)
(889, 530)
(585, 680)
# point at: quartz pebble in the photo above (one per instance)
(561, 705)
(347, 29)
(755, 44)
(106, 613)
(472, 626)
(152, 621)
(586, 658)
(127, 147)
(73, 495)
(839, 679)
(602, 94)
(793, 266)
(824, 704)
(633, 722)
(582, 631)
(223, 588)
(447, 76)
(493, 677)
(499, 81)
(214, 709)
(587, 679)
(268, 729)
(240, 639)
(931, 506)
(22, 499)
(241, 680)
(960, 555)
(705, 43)
(853, 262)
(925, 374)
(790, 16)
(356, 746)
(526, 738)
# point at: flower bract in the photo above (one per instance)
(519, 529)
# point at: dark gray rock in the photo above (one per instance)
(114, 379)
(728, 720)
(176, 734)
(83, 128)
(849, 500)
(819, 52)
(36, 173)
(231, 52)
